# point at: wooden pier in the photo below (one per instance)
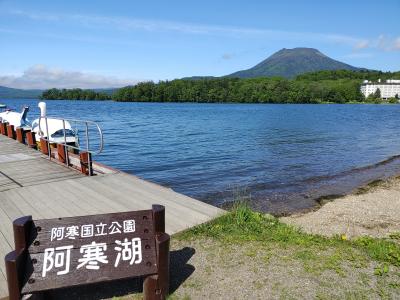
(31, 184)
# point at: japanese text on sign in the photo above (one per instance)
(91, 230)
(92, 255)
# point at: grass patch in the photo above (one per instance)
(250, 255)
(242, 224)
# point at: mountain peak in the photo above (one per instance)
(299, 49)
(292, 62)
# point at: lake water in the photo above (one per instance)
(282, 157)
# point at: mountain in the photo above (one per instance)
(6, 92)
(199, 77)
(292, 62)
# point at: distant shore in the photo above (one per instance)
(204, 102)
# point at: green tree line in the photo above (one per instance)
(317, 87)
(257, 90)
(73, 94)
(324, 86)
(346, 74)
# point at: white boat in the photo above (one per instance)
(53, 129)
(58, 131)
(15, 118)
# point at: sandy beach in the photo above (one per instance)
(373, 210)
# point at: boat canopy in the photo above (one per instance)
(55, 127)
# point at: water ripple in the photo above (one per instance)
(284, 156)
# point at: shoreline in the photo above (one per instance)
(216, 102)
(213, 102)
(316, 191)
(372, 209)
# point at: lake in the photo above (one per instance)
(281, 157)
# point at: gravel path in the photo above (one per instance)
(375, 212)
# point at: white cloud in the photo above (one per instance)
(382, 42)
(227, 56)
(43, 77)
(149, 25)
(396, 44)
(362, 45)
(388, 43)
(356, 55)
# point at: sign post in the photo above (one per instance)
(67, 252)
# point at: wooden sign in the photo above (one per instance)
(67, 252)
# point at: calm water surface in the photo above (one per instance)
(282, 156)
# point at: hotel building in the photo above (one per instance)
(389, 89)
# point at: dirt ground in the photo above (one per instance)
(252, 271)
(206, 269)
(374, 211)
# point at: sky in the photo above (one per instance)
(99, 44)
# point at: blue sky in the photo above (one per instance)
(113, 43)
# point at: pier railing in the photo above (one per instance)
(86, 151)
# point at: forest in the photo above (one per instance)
(339, 86)
(73, 94)
(318, 87)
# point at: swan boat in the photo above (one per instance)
(56, 131)
(15, 118)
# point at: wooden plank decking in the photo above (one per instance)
(30, 184)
